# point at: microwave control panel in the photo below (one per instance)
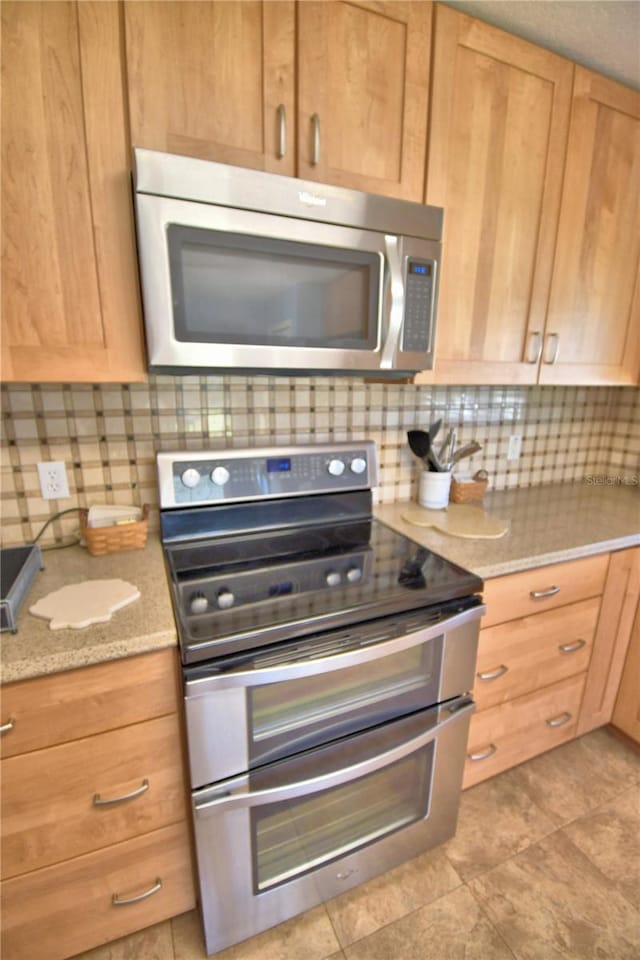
(418, 305)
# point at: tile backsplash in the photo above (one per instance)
(108, 435)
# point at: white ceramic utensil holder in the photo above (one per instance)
(434, 489)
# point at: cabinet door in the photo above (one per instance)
(69, 286)
(594, 309)
(626, 714)
(213, 80)
(499, 120)
(363, 76)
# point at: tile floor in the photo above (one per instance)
(545, 866)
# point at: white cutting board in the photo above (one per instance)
(458, 520)
(81, 604)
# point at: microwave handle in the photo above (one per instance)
(395, 302)
(223, 799)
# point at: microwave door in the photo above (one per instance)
(232, 289)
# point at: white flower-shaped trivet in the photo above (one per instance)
(81, 604)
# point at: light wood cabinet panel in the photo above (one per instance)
(48, 809)
(617, 613)
(70, 302)
(594, 308)
(626, 713)
(206, 80)
(537, 651)
(363, 72)
(62, 910)
(498, 131)
(509, 597)
(78, 703)
(519, 729)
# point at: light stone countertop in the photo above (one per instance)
(547, 524)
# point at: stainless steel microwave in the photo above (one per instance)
(247, 271)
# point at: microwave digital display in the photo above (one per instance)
(423, 269)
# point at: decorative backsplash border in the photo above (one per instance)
(108, 435)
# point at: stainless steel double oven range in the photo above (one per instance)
(327, 662)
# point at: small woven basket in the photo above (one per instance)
(123, 536)
(471, 492)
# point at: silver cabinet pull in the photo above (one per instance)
(572, 647)
(315, 150)
(537, 353)
(282, 131)
(541, 594)
(7, 727)
(125, 901)
(556, 346)
(483, 754)
(99, 801)
(560, 720)
(493, 674)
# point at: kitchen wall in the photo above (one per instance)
(108, 435)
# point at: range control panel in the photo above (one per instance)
(227, 476)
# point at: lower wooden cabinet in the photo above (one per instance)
(626, 712)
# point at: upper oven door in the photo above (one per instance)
(228, 288)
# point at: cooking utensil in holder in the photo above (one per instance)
(117, 537)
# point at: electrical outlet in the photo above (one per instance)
(53, 480)
(515, 446)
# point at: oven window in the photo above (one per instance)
(294, 837)
(296, 714)
(232, 288)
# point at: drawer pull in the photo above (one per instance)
(572, 647)
(99, 801)
(484, 754)
(560, 720)
(493, 674)
(7, 727)
(125, 901)
(541, 594)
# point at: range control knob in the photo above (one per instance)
(358, 465)
(219, 476)
(336, 468)
(332, 578)
(190, 477)
(225, 599)
(354, 574)
(199, 603)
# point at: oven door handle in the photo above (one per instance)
(305, 668)
(236, 794)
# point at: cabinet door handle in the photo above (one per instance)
(556, 347)
(572, 647)
(493, 674)
(99, 801)
(315, 130)
(118, 901)
(560, 720)
(7, 727)
(483, 754)
(541, 594)
(282, 131)
(537, 353)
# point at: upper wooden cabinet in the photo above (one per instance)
(593, 320)
(70, 307)
(213, 80)
(499, 120)
(363, 80)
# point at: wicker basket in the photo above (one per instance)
(470, 492)
(123, 536)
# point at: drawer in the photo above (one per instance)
(524, 655)
(533, 591)
(48, 809)
(78, 703)
(65, 909)
(504, 736)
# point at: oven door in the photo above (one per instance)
(279, 840)
(297, 695)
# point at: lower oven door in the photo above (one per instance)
(281, 839)
(271, 704)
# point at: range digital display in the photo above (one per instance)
(279, 465)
